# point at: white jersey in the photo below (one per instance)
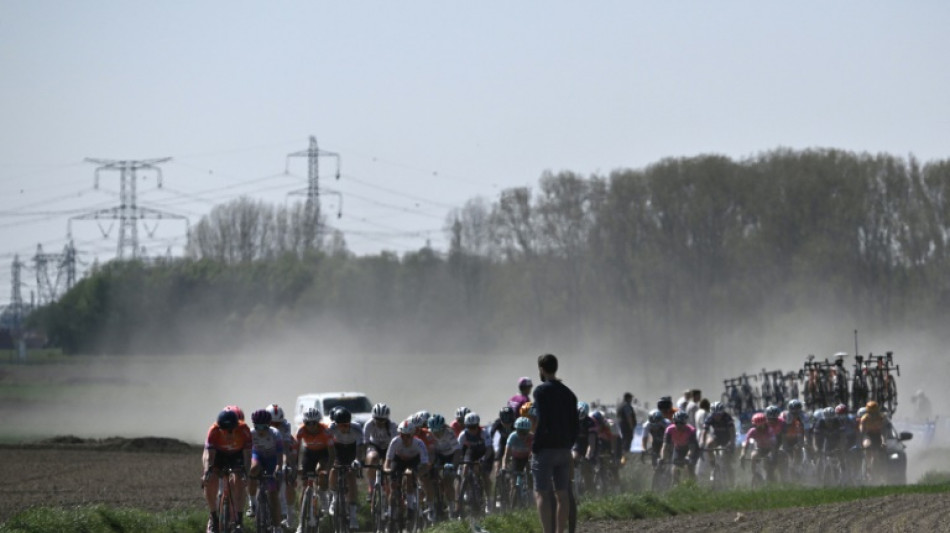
(379, 435)
(446, 443)
(353, 437)
(266, 443)
(415, 448)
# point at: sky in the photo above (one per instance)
(428, 104)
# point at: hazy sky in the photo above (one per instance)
(430, 104)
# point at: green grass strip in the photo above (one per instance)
(687, 499)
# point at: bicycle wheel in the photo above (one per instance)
(306, 512)
(224, 514)
(413, 514)
(341, 522)
(376, 509)
(262, 516)
(501, 492)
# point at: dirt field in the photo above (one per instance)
(162, 474)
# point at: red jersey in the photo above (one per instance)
(228, 441)
(457, 427)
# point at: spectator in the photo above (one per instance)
(628, 421)
(557, 427)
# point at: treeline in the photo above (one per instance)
(627, 262)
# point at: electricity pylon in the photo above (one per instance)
(312, 206)
(48, 290)
(128, 212)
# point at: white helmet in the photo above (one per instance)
(276, 413)
(380, 410)
(472, 419)
(312, 415)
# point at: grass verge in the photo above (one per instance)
(682, 500)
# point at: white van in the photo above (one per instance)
(355, 402)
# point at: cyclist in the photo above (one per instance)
(719, 431)
(458, 424)
(377, 434)
(476, 446)
(653, 430)
(267, 458)
(795, 437)
(762, 442)
(607, 452)
(498, 432)
(773, 418)
(348, 444)
(315, 455)
(445, 453)
(518, 449)
(281, 424)
(406, 452)
(585, 444)
(680, 442)
(228, 445)
(524, 394)
(873, 427)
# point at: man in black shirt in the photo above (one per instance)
(556, 430)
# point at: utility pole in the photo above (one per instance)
(312, 206)
(128, 212)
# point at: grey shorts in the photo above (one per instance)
(549, 467)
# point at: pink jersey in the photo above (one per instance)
(763, 438)
(681, 436)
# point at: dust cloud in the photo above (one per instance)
(179, 396)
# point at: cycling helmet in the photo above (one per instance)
(772, 412)
(472, 419)
(506, 415)
(436, 422)
(680, 417)
(312, 415)
(236, 409)
(758, 419)
(656, 416)
(406, 427)
(717, 407)
(227, 419)
(795, 406)
(598, 416)
(862, 411)
(261, 417)
(873, 407)
(417, 420)
(381, 410)
(841, 409)
(523, 423)
(525, 409)
(461, 412)
(276, 413)
(665, 403)
(525, 382)
(582, 410)
(828, 412)
(342, 415)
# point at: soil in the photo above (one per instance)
(159, 474)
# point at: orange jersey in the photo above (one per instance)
(228, 441)
(427, 438)
(320, 440)
(872, 424)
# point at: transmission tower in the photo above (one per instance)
(48, 290)
(313, 192)
(16, 309)
(128, 212)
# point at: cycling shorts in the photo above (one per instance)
(345, 453)
(380, 451)
(475, 453)
(313, 458)
(401, 465)
(233, 460)
(268, 462)
(519, 464)
(439, 459)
